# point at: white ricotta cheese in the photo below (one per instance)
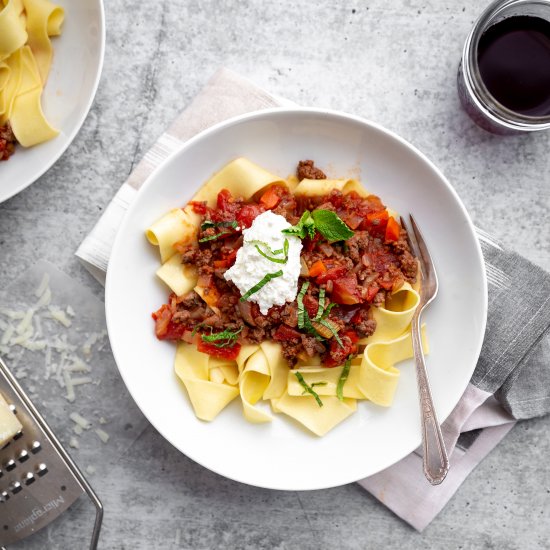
(251, 267)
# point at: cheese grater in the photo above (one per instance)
(38, 479)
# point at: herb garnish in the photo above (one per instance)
(261, 284)
(212, 237)
(305, 227)
(222, 339)
(326, 222)
(304, 320)
(283, 250)
(342, 379)
(209, 223)
(309, 389)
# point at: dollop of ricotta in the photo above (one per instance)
(251, 267)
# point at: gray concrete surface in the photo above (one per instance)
(394, 63)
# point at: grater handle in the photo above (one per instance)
(61, 450)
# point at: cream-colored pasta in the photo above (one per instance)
(378, 376)
(25, 56)
(253, 382)
(180, 278)
(395, 316)
(319, 420)
(208, 397)
(317, 188)
(175, 226)
(241, 176)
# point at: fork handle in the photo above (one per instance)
(435, 459)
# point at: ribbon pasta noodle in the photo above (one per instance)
(259, 372)
(25, 60)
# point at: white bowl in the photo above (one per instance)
(68, 95)
(281, 455)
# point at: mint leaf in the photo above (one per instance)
(305, 227)
(331, 226)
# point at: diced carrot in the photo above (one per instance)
(392, 230)
(317, 268)
(270, 199)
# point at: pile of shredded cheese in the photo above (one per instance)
(43, 328)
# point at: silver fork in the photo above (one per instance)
(435, 461)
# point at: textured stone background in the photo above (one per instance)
(394, 63)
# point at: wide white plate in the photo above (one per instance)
(281, 455)
(68, 95)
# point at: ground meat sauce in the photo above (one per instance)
(356, 274)
(7, 142)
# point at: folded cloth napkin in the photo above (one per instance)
(507, 382)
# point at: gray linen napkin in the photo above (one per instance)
(511, 380)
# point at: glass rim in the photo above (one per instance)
(481, 96)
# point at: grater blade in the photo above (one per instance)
(38, 479)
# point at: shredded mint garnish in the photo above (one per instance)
(209, 223)
(283, 250)
(213, 237)
(300, 301)
(321, 307)
(325, 221)
(342, 379)
(219, 339)
(308, 388)
(304, 320)
(261, 284)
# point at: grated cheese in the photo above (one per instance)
(73, 442)
(103, 435)
(60, 316)
(8, 333)
(78, 429)
(80, 421)
(44, 284)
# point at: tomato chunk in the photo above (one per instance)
(375, 222)
(199, 207)
(346, 291)
(224, 200)
(284, 332)
(338, 354)
(229, 352)
(331, 274)
(248, 213)
(392, 230)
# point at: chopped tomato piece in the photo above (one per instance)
(346, 291)
(285, 332)
(331, 274)
(199, 207)
(221, 264)
(317, 268)
(224, 200)
(162, 318)
(392, 230)
(311, 305)
(372, 291)
(337, 353)
(248, 213)
(271, 198)
(229, 352)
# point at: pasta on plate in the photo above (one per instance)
(297, 292)
(26, 28)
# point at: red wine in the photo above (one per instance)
(514, 63)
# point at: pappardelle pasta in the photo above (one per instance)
(298, 292)
(25, 59)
